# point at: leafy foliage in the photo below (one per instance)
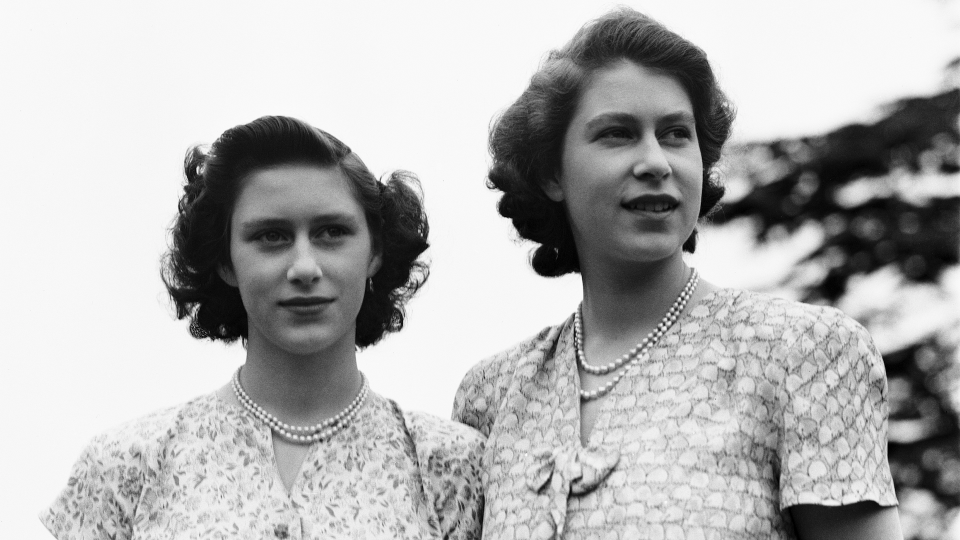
(885, 199)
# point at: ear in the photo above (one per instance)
(551, 187)
(227, 275)
(376, 260)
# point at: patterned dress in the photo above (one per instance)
(206, 470)
(749, 404)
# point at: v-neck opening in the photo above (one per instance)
(265, 437)
(298, 478)
(566, 337)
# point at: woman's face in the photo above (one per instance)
(631, 173)
(300, 253)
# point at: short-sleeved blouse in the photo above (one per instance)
(206, 470)
(749, 404)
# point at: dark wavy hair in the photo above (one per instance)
(201, 231)
(526, 141)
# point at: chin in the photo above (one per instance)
(654, 252)
(306, 345)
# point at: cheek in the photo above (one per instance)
(693, 177)
(253, 274)
(583, 185)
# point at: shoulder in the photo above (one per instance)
(107, 480)
(449, 456)
(830, 396)
(819, 347)
(752, 314)
(485, 384)
(145, 435)
(504, 363)
(750, 305)
(137, 447)
(438, 438)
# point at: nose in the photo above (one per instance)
(651, 161)
(305, 268)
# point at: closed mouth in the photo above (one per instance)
(305, 302)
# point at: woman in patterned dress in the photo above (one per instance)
(665, 407)
(285, 240)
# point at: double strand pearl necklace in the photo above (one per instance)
(638, 352)
(302, 434)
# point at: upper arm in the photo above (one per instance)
(461, 517)
(860, 521)
(465, 401)
(476, 397)
(458, 495)
(100, 497)
(833, 445)
(449, 456)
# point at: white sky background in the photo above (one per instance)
(101, 100)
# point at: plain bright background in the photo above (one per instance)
(100, 100)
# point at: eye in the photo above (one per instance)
(333, 232)
(615, 133)
(270, 237)
(678, 133)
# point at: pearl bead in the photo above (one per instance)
(632, 357)
(323, 430)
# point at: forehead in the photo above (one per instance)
(295, 189)
(628, 87)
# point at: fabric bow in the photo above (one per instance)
(554, 473)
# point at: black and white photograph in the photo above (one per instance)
(672, 270)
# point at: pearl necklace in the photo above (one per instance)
(638, 352)
(302, 434)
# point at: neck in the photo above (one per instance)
(301, 389)
(619, 304)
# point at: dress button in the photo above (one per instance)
(280, 531)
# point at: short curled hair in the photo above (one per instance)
(526, 141)
(201, 230)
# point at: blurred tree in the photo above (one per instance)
(884, 199)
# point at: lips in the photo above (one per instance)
(305, 302)
(657, 204)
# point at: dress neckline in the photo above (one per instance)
(567, 365)
(264, 437)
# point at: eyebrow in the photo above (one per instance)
(622, 117)
(606, 118)
(679, 116)
(267, 223)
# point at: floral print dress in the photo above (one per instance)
(748, 405)
(206, 470)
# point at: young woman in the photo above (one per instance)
(285, 240)
(665, 406)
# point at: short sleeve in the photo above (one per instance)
(833, 448)
(100, 497)
(482, 389)
(472, 401)
(449, 455)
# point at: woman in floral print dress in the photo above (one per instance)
(286, 241)
(665, 406)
